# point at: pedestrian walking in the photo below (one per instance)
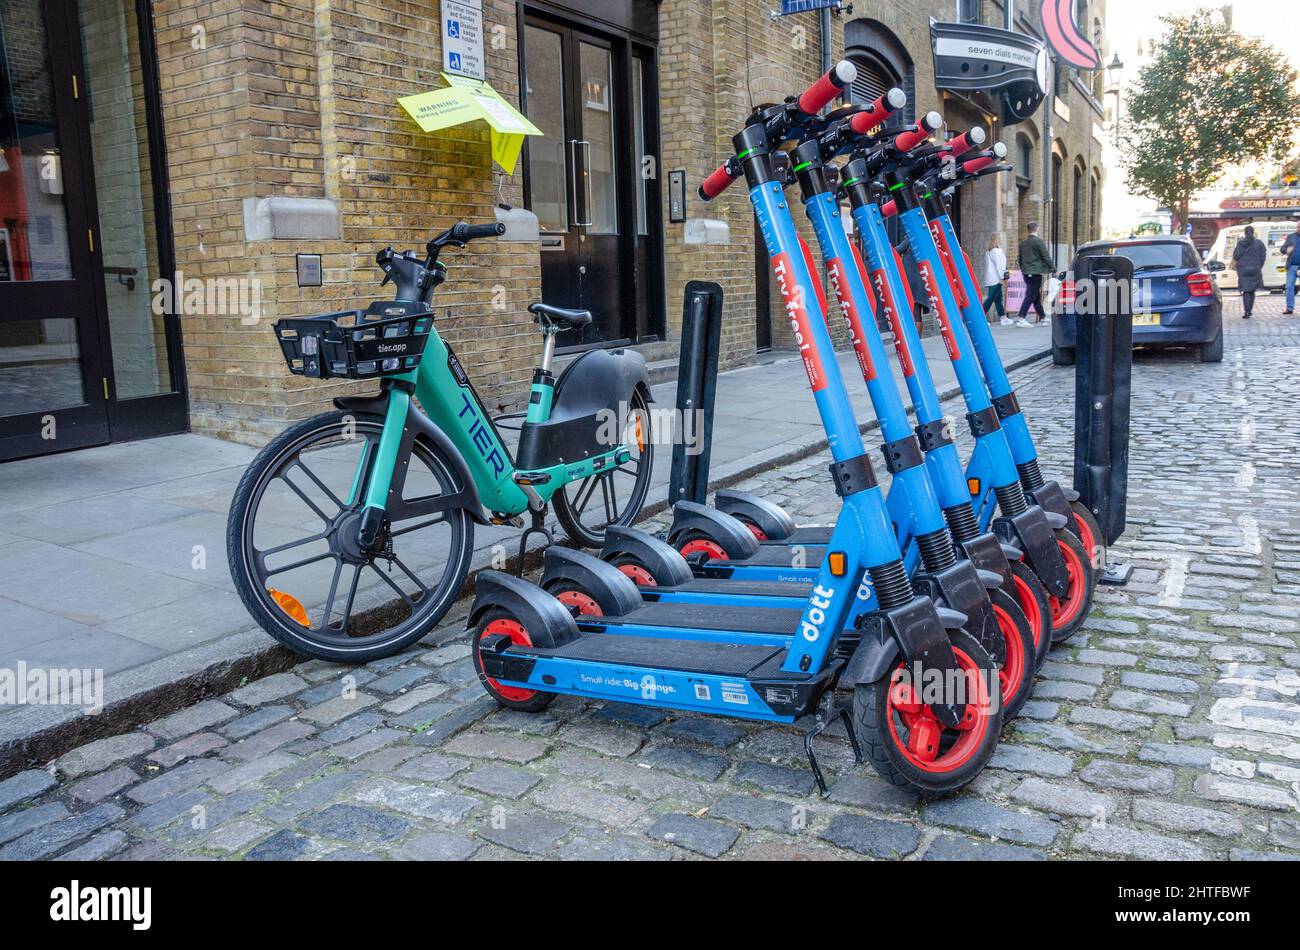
(1291, 254)
(1248, 261)
(995, 275)
(1035, 263)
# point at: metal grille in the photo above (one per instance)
(870, 85)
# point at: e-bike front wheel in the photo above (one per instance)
(293, 549)
(586, 508)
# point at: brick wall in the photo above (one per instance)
(298, 98)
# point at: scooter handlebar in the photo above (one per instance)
(880, 110)
(718, 182)
(910, 138)
(889, 208)
(974, 138)
(827, 87)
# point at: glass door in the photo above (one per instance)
(53, 383)
(576, 178)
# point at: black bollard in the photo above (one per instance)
(697, 384)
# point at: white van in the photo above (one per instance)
(1219, 260)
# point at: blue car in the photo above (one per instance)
(1175, 302)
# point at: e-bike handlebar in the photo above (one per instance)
(873, 115)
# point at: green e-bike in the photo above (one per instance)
(351, 533)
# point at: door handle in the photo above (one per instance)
(580, 181)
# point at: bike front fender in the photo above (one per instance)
(420, 426)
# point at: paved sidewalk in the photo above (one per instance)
(1167, 729)
(114, 558)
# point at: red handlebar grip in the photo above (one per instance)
(962, 144)
(976, 165)
(911, 138)
(716, 183)
(880, 110)
(828, 87)
(889, 209)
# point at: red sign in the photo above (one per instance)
(797, 309)
(1063, 36)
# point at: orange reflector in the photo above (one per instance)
(290, 605)
(838, 563)
(640, 436)
(973, 485)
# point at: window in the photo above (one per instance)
(1026, 158)
(1076, 229)
(970, 11)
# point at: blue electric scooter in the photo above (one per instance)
(925, 709)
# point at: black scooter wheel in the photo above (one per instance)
(909, 746)
(697, 542)
(632, 568)
(1036, 605)
(1088, 532)
(1069, 612)
(511, 697)
(577, 600)
(1016, 677)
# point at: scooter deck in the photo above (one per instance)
(777, 555)
(814, 534)
(706, 585)
(755, 620)
(686, 656)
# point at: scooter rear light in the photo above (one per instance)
(1200, 285)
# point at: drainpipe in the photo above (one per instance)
(827, 60)
(1009, 14)
(1049, 109)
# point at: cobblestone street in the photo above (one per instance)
(1168, 728)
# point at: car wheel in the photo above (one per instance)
(1062, 355)
(1212, 352)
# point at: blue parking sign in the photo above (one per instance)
(453, 29)
(453, 61)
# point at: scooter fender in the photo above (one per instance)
(960, 588)
(547, 621)
(730, 534)
(915, 632)
(1051, 497)
(1033, 533)
(420, 426)
(770, 518)
(987, 554)
(612, 590)
(664, 562)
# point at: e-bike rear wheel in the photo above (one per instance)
(615, 496)
(1069, 612)
(511, 697)
(1034, 601)
(1016, 675)
(909, 746)
(294, 555)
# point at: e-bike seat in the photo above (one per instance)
(558, 317)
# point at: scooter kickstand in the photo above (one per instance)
(537, 527)
(821, 719)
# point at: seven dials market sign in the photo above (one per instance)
(1011, 67)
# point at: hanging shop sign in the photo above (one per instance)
(1011, 67)
(462, 38)
(469, 100)
(1068, 44)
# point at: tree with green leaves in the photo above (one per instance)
(1209, 99)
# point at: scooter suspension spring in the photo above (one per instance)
(1030, 475)
(937, 550)
(893, 586)
(961, 521)
(1011, 499)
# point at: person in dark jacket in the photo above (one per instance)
(1291, 258)
(1248, 260)
(1035, 263)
